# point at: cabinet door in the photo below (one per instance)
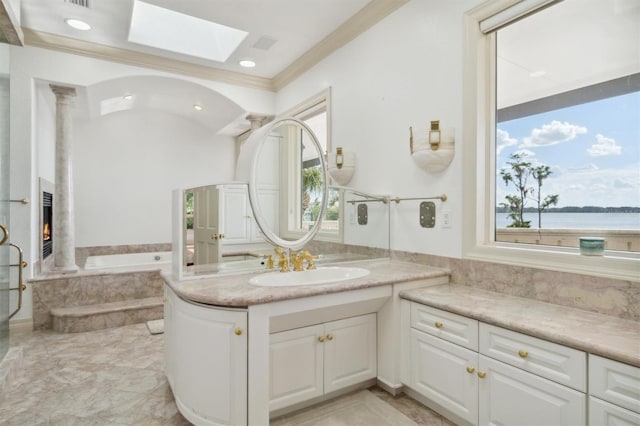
(169, 336)
(210, 380)
(295, 366)
(510, 396)
(349, 352)
(602, 413)
(445, 373)
(237, 215)
(615, 382)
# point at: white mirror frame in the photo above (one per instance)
(247, 167)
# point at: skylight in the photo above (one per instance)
(166, 29)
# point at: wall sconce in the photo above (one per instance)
(341, 165)
(436, 153)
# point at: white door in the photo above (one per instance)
(210, 372)
(349, 352)
(510, 396)
(237, 215)
(446, 374)
(207, 232)
(295, 366)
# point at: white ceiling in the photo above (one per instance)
(573, 44)
(284, 37)
(295, 25)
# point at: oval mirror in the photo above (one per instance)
(286, 173)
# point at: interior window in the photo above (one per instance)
(567, 138)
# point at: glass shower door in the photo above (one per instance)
(4, 203)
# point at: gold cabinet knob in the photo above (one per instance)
(470, 370)
(329, 336)
(523, 353)
(320, 339)
(438, 324)
(238, 331)
(482, 374)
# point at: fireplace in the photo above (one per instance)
(47, 224)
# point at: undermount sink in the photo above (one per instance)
(322, 275)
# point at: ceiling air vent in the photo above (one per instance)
(264, 43)
(82, 3)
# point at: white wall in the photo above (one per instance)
(405, 71)
(127, 163)
(32, 142)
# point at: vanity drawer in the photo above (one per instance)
(546, 359)
(451, 327)
(615, 382)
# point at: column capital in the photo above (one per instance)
(257, 120)
(63, 92)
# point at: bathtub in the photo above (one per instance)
(160, 259)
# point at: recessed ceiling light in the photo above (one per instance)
(198, 107)
(538, 73)
(78, 24)
(247, 63)
(128, 97)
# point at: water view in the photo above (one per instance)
(577, 220)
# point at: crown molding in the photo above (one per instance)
(129, 57)
(366, 18)
(10, 30)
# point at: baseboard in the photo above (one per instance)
(22, 325)
(394, 390)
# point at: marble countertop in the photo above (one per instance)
(235, 290)
(598, 334)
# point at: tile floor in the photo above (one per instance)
(112, 377)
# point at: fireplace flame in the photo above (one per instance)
(46, 232)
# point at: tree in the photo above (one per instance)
(311, 184)
(518, 175)
(540, 173)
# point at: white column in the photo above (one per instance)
(63, 211)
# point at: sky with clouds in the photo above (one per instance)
(593, 151)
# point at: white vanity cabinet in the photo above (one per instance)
(614, 392)
(206, 361)
(309, 362)
(443, 360)
(476, 373)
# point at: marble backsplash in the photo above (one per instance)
(605, 296)
(611, 297)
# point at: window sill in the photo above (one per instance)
(613, 265)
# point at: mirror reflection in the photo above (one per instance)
(223, 230)
(287, 185)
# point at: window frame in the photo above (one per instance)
(308, 108)
(479, 119)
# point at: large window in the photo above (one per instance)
(553, 95)
(567, 126)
